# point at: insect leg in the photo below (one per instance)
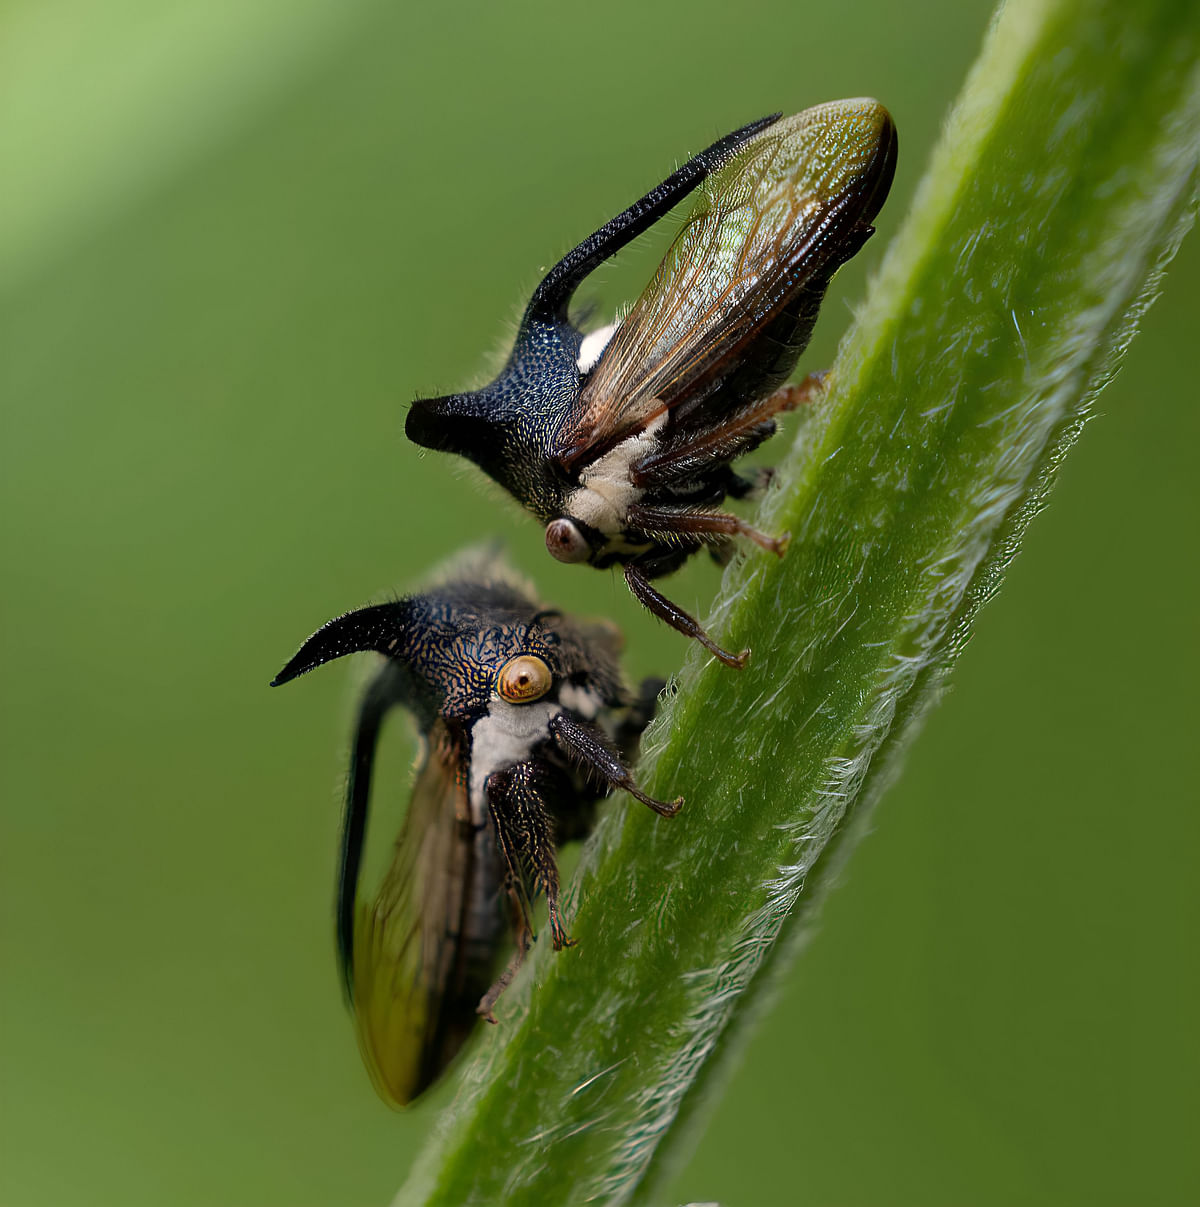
(787, 398)
(515, 883)
(677, 618)
(588, 748)
(524, 938)
(380, 694)
(728, 439)
(525, 835)
(656, 520)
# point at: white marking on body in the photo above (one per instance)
(581, 700)
(593, 347)
(504, 737)
(606, 490)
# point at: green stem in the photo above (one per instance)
(1065, 180)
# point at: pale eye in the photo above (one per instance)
(566, 542)
(523, 679)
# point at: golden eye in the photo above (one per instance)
(524, 679)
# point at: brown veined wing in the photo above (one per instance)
(768, 229)
(424, 950)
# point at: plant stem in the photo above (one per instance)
(1062, 186)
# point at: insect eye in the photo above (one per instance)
(524, 679)
(566, 542)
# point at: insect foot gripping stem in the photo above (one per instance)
(588, 748)
(678, 619)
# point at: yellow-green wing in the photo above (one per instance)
(770, 221)
(424, 950)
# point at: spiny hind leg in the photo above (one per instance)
(792, 396)
(738, 433)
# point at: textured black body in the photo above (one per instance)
(510, 428)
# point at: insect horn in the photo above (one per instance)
(542, 373)
(382, 627)
(553, 296)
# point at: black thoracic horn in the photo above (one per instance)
(382, 627)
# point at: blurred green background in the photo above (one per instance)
(235, 239)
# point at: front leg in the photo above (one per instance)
(729, 436)
(587, 748)
(525, 835)
(677, 618)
